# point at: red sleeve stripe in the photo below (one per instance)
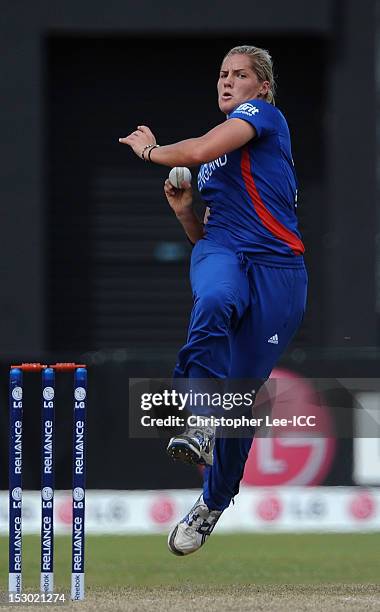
(268, 220)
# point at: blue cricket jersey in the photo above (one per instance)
(252, 191)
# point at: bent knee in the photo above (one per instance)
(216, 302)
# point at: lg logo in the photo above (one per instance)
(304, 450)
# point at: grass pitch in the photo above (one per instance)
(232, 572)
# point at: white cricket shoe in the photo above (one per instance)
(196, 445)
(194, 529)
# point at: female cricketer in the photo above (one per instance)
(248, 275)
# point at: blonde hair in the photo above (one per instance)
(262, 65)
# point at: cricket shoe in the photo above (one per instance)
(196, 445)
(194, 529)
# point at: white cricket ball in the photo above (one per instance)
(177, 175)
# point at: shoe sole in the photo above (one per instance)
(182, 450)
(171, 546)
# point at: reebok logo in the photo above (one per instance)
(273, 339)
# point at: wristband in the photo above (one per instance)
(148, 146)
(150, 151)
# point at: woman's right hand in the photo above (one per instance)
(180, 200)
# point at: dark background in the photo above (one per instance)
(94, 265)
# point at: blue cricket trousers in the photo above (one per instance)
(239, 305)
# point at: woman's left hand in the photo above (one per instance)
(138, 139)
